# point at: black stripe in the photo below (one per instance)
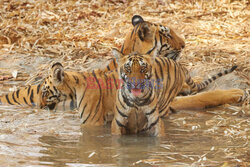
(76, 79)
(214, 77)
(116, 86)
(160, 39)
(38, 88)
(29, 90)
(13, 97)
(69, 87)
(154, 123)
(188, 80)
(114, 63)
(132, 32)
(108, 68)
(157, 76)
(86, 119)
(17, 93)
(122, 48)
(120, 124)
(163, 115)
(145, 101)
(166, 102)
(83, 110)
(126, 100)
(220, 74)
(51, 91)
(72, 101)
(25, 101)
(122, 114)
(121, 102)
(150, 51)
(100, 98)
(82, 97)
(31, 98)
(163, 62)
(72, 105)
(55, 89)
(151, 112)
(7, 98)
(161, 71)
(210, 80)
(84, 77)
(135, 29)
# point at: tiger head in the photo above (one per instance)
(54, 89)
(153, 39)
(135, 71)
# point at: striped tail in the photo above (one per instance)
(197, 87)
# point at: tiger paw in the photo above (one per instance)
(235, 95)
(245, 96)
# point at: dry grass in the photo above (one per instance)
(78, 32)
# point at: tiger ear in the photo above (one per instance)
(57, 73)
(117, 54)
(137, 19)
(165, 30)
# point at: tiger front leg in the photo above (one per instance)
(119, 122)
(118, 127)
(155, 126)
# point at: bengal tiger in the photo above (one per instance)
(31, 95)
(150, 38)
(94, 93)
(148, 88)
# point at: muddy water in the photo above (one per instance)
(32, 137)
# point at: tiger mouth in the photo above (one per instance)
(136, 92)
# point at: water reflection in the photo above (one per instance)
(97, 146)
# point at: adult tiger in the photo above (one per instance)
(148, 88)
(94, 93)
(152, 39)
(31, 95)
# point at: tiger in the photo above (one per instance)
(148, 88)
(93, 92)
(31, 95)
(150, 38)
